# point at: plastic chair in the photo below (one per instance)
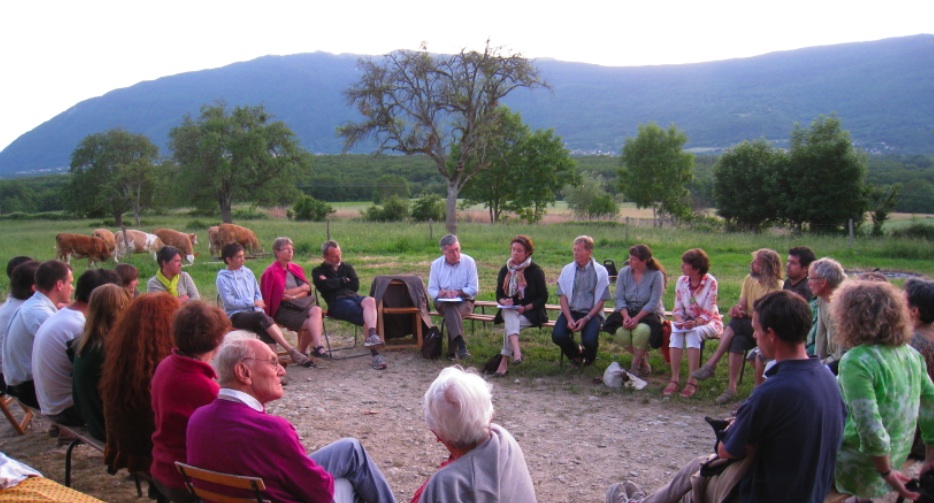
(190, 472)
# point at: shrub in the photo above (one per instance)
(916, 230)
(428, 207)
(310, 209)
(396, 209)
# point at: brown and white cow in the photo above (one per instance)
(107, 237)
(80, 246)
(138, 241)
(180, 240)
(230, 233)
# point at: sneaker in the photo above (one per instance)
(373, 340)
(635, 492)
(726, 397)
(703, 373)
(617, 494)
(379, 363)
(463, 353)
(624, 492)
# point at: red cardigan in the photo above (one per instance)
(272, 284)
(179, 386)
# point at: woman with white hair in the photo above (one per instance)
(485, 463)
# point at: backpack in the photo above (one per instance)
(431, 344)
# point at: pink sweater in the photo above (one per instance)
(231, 437)
(272, 284)
(179, 386)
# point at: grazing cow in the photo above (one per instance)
(213, 246)
(80, 246)
(230, 233)
(179, 240)
(107, 237)
(139, 242)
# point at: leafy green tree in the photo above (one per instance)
(746, 184)
(310, 209)
(589, 198)
(390, 185)
(526, 169)
(15, 196)
(242, 155)
(111, 173)
(427, 207)
(655, 171)
(882, 200)
(415, 102)
(828, 177)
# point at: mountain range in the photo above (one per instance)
(882, 92)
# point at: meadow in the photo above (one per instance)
(408, 248)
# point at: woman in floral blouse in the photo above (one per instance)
(883, 382)
(696, 317)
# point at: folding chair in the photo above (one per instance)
(18, 424)
(327, 340)
(190, 472)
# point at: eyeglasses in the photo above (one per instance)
(273, 362)
(451, 251)
(815, 278)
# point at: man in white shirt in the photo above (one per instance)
(53, 286)
(453, 285)
(51, 367)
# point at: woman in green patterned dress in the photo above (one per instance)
(886, 389)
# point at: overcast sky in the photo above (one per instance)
(54, 54)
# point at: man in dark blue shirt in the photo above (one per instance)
(792, 424)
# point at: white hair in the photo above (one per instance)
(230, 353)
(459, 407)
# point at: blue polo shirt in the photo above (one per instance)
(795, 422)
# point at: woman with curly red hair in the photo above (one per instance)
(140, 340)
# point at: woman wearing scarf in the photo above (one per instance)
(170, 278)
(521, 287)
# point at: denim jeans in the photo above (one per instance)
(590, 337)
(346, 459)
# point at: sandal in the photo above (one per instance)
(689, 390)
(671, 388)
(320, 352)
(299, 359)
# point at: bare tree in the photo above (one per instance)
(415, 102)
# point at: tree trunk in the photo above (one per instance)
(118, 218)
(450, 220)
(226, 212)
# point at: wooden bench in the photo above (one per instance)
(79, 435)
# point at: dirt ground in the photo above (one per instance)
(578, 437)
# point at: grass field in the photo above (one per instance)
(377, 249)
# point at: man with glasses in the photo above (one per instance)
(234, 434)
(453, 284)
(825, 275)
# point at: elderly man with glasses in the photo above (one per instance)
(825, 275)
(234, 434)
(453, 284)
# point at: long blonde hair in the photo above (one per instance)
(104, 306)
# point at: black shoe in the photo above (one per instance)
(463, 354)
(451, 357)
